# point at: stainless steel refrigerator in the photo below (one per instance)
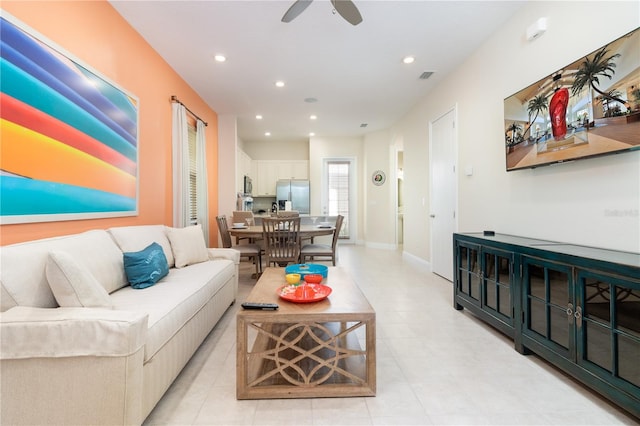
(294, 190)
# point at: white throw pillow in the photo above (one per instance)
(188, 245)
(72, 284)
(136, 238)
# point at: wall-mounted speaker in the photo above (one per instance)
(537, 29)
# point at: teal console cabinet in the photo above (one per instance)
(484, 276)
(577, 307)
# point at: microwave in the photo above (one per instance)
(248, 185)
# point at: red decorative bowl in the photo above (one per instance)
(313, 278)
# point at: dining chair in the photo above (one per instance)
(313, 251)
(241, 216)
(281, 240)
(251, 251)
(288, 213)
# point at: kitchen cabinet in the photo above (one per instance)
(243, 168)
(577, 307)
(267, 172)
(266, 177)
(297, 169)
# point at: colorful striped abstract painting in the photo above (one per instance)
(68, 137)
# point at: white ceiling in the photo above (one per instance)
(355, 72)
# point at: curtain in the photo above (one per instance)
(201, 180)
(180, 162)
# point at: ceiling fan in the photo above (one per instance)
(345, 8)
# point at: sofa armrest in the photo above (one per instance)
(224, 253)
(27, 332)
(72, 366)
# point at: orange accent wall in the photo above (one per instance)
(95, 33)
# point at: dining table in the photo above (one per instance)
(306, 231)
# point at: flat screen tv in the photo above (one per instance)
(589, 108)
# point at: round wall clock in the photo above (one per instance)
(378, 177)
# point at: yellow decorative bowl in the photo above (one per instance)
(293, 279)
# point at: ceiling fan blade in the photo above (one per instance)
(296, 9)
(348, 11)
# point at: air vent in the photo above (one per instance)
(425, 75)
(363, 125)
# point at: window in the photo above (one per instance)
(338, 192)
(189, 161)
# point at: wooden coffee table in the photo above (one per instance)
(304, 350)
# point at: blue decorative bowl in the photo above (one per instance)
(307, 268)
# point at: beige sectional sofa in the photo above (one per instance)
(94, 350)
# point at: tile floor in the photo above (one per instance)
(436, 366)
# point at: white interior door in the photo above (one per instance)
(443, 193)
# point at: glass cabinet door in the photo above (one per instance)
(496, 282)
(609, 327)
(548, 304)
(468, 271)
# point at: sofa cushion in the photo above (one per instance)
(146, 267)
(72, 284)
(22, 270)
(70, 332)
(136, 238)
(173, 301)
(188, 245)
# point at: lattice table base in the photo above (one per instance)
(305, 359)
(306, 350)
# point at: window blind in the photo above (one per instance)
(193, 174)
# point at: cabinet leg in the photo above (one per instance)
(523, 350)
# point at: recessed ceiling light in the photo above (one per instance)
(279, 83)
(220, 58)
(408, 59)
(313, 117)
(267, 133)
(258, 117)
(312, 134)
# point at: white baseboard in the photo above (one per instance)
(417, 261)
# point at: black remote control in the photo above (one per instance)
(263, 306)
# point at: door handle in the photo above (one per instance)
(570, 313)
(569, 310)
(432, 215)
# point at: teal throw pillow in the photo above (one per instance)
(145, 268)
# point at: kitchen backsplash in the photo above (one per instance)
(262, 203)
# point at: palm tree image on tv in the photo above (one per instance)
(612, 104)
(537, 105)
(516, 135)
(585, 109)
(590, 72)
